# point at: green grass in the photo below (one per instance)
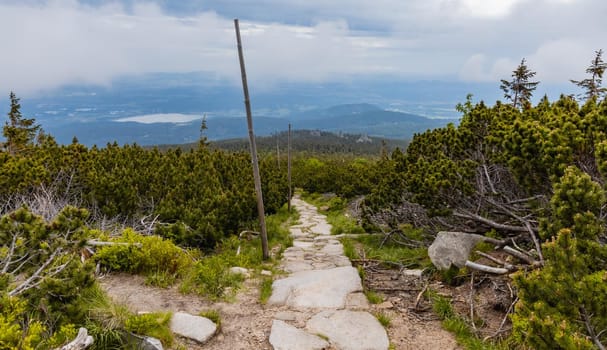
(373, 297)
(212, 315)
(210, 275)
(384, 319)
(459, 326)
(350, 248)
(265, 290)
(395, 253)
(154, 324)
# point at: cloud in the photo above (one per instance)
(53, 43)
(161, 118)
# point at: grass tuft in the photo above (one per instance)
(265, 290)
(384, 319)
(212, 315)
(373, 297)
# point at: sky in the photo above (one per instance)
(54, 43)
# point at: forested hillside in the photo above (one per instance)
(307, 141)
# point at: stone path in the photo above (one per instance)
(320, 302)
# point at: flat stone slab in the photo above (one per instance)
(350, 330)
(296, 266)
(302, 244)
(316, 288)
(197, 328)
(357, 301)
(321, 228)
(286, 337)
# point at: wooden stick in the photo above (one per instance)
(256, 176)
(485, 268)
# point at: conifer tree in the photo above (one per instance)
(564, 305)
(592, 85)
(520, 89)
(18, 131)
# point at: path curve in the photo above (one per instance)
(321, 304)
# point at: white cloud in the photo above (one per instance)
(53, 43)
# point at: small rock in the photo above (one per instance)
(197, 328)
(149, 343)
(237, 270)
(143, 342)
(413, 272)
(286, 316)
(266, 273)
(385, 305)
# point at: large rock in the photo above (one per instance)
(316, 288)
(452, 248)
(350, 330)
(197, 328)
(286, 337)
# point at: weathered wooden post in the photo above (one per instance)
(289, 166)
(256, 177)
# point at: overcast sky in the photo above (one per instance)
(47, 44)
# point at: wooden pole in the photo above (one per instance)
(278, 150)
(289, 166)
(256, 177)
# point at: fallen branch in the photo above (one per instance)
(96, 243)
(419, 296)
(507, 266)
(490, 223)
(82, 341)
(487, 269)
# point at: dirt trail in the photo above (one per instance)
(246, 323)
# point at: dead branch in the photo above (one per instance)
(82, 341)
(248, 234)
(586, 318)
(497, 261)
(524, 257)
(96, 243)
(35, 279)
(532, 231)
(488, 222)
(420, 294)
(487, 269)
(499, 330)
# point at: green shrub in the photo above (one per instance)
(211, 277)
(145, 254)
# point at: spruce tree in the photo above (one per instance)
(18, 131)
(592, 85)
(520, 89)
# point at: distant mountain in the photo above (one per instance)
(374, 121)
(358, 119)
(339, 110)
